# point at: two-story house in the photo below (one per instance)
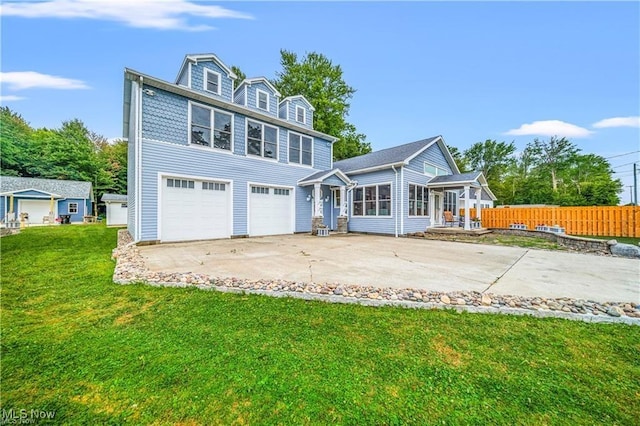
(210, 157)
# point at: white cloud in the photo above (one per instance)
(20, 80)
(618, 122)
(10, 98)
(165, 15)
(550, 128)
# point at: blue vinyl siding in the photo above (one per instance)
(32, 194)
(375, 224)
(3, 207)
(197, 80)
(292, 113)
(433, 155)
(83, 209)
(165, 117)
(166, 158)
(239, 96)
(252, 98)
(333, 181)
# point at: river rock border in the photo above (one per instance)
(131, 268)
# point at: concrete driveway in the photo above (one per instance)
(406, 263)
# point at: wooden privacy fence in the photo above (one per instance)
(614, 221)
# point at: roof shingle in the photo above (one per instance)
(64, 188)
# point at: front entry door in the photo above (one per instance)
(437, 208)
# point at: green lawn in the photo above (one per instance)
(100, 353)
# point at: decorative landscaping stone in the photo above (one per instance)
(130, 268)
(625, 250)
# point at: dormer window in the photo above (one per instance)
(262, 100)
(300, 114)
(211, 81)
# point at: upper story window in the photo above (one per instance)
(262, 100)
(262, 140)
(300, 114)
(300, 149)
(433, 170)
(209, 125)
(211, 81)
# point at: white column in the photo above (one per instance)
(467, 219)
(343, 201)
(317, 199)
(478, 199)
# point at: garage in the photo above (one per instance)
(193, 209)
(270, 210)
(37, 209)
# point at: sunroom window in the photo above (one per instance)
(372, 200)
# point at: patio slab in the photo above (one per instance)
(381, 261)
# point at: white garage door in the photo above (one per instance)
(37, 209)
(270, 211)
(194, 210)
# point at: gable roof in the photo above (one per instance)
(319, 177)
(204, 57)
(460, 179)
(396, 156)
(64, 188)
(118, 198)
(300, 97)
(250, 81)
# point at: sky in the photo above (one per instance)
(469, 71)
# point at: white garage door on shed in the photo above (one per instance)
(193, 209)
(270, 210)
(37, 209)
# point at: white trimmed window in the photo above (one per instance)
(433, 170)
(451, 202)
(418, 200)
(211, 81)
(207, 123)
(262, 100)
(300, 149)
(300, 114)
(262, 140)
(73, 208)
(372, 200)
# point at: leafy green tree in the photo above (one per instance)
(492, 158)
(238, 72)
(15, 137)
(322, 83)
(459, 158)
(553, 155)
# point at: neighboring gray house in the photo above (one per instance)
(209, 160)
(44, 199)
(117, 211)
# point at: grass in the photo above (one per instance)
(503, 240)
(626, 240)
(100, 353)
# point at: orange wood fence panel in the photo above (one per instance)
(614, 221)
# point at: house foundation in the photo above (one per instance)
(342, 225)
(316, 222)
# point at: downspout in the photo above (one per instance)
(396, 215)
(401, 200)
(139, 163)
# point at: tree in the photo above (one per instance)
(553, 155)
(492, 158)
(459, 158)
(15, 135)
(238, 72)
(322, 84)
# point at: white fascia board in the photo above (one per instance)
(211, 57)
(375, 168)
(230, 106)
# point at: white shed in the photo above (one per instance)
(117, 211)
